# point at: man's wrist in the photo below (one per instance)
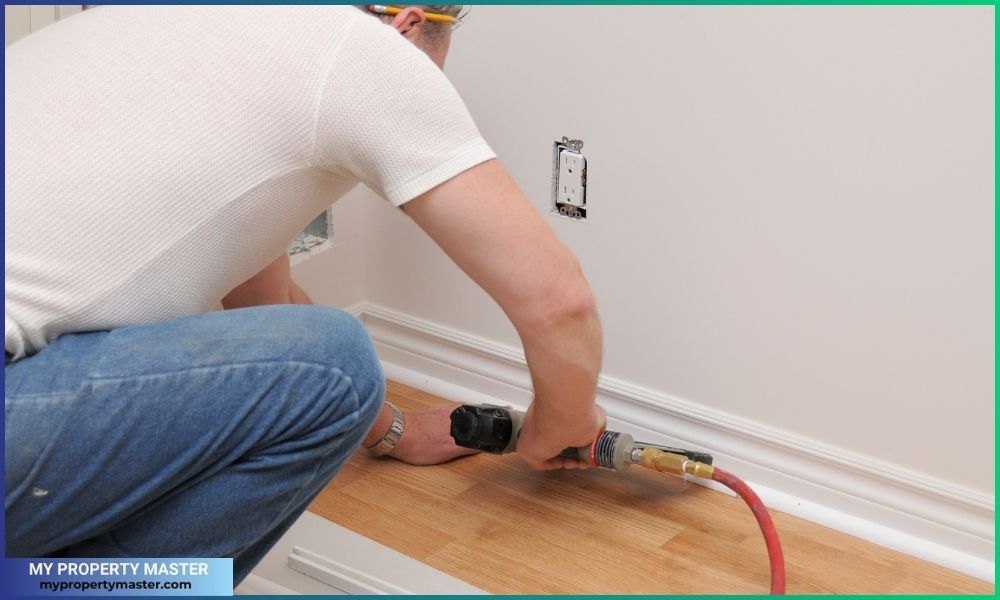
(379, 428)
(387, 443)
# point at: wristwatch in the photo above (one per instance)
(391, 437)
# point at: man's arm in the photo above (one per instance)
(272, 285)
(486, 225)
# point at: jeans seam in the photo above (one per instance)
(191, 369)
(47, 395)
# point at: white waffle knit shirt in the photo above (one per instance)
(157, 157)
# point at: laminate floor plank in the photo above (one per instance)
(497, 524)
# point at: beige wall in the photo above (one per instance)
(792, 212)
(19, 21)
(336, 277)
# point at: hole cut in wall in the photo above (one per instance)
(314, 238)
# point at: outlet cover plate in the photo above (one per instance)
(569, 180)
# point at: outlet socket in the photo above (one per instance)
(571, 166)
(569, 180)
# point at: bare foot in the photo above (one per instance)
(426, 438)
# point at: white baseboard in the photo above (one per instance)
(319, 557)
(908, 512)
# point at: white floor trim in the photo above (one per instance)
(902, 510)
(318, 557)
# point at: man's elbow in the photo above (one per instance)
(578, 303)
(565, 301)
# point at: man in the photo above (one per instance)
(157, 161)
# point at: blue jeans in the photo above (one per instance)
(205, 436)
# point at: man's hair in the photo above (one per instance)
(434, 31)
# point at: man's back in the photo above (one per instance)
(157, 157)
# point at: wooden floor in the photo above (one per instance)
(506, 529)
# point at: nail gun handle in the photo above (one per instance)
(495, 429)
(581, 454)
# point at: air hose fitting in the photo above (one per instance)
(676, 464)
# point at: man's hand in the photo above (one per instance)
(544, 437)
(426, 438)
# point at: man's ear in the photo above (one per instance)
(410, 21)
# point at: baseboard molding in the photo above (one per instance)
(351, 581)
(902, 510)
(319, 557)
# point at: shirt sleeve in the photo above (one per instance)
(390, 118)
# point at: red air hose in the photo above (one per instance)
(766, 525)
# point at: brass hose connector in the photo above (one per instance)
(675, 464)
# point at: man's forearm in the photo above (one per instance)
(272, 285)
(493, 233)
(298, 296)
(564, 357)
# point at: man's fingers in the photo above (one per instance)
(545, 465)
(538, 458)
(602, 419)
(557, 462)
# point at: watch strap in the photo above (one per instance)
(391, 437)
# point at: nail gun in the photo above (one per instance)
(495, 429)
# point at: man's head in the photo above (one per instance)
(412, 22)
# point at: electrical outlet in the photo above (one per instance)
(571, 166)
(569, 180)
